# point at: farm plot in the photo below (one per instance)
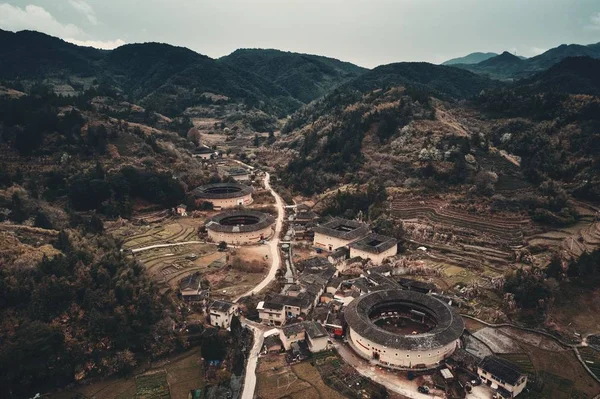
(591, 357)
(152, 386)
(170, 231)
(275, 379)
(574, 380)
(170, 378)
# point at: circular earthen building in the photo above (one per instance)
(403, 329)
(240, 227)
(224, 195)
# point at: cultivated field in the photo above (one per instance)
(171, 378)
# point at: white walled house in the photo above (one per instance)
(316, 336)
(221, 313)
(502, 375)
(338, 233)
(375, 247)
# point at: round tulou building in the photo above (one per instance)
(224, 195)
(403, 329)
(239, 227)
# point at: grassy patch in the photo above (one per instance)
(152, 386)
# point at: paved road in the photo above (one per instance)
(250, 375)
(387, 378)
(273, 243)
(251, 363)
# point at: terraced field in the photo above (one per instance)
(591, 357)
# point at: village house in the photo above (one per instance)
(338, 256)
(304, 215)
(239, 174)
(221, 313)
(181, 210)
(313, 333)
(317, 337)
(292, 333)
(204, 152)
(272, 344)
(193, 289)
(502, 375)
(338, 232)
(375, 247)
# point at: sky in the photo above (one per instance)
(365, 32)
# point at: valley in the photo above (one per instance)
(166, 222)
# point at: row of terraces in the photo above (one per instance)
(506, 231)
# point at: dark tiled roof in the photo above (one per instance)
(466, 358)
(335, 282)
(191, 282)
(374, 243)
(203, 150)
(449, 328)
(502, 369)
(292, 329)
(343, 229)
(382, 281)
(417, 285)
(221, 306)
(380, 269)
(315, 261)
(272, 305)
(340, 253)
(272, 340)
(222, 191)
(237, 172)
(315, 330)
(264, 220)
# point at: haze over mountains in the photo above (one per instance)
(507, 66)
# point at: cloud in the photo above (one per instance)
(34, 18)
(106, 45)
(85, 9)
(594, 23)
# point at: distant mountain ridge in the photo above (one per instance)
(507, 66)
(473, 58)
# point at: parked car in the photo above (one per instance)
(423, 389)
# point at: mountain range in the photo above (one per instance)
(171, 79)
(507, 66)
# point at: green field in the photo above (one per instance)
(152, 386)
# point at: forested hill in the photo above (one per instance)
(170, 79)
(306, 77)
(439, 79)
(509, 67)
(390, 124)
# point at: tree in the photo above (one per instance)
(213, 347)
(256, 140)
(222, 246)
(485, 182)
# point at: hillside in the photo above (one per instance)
(510, 67)
(473, 58)
(164, 77)
(304, 76)
(574, 75)
(442, 80)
